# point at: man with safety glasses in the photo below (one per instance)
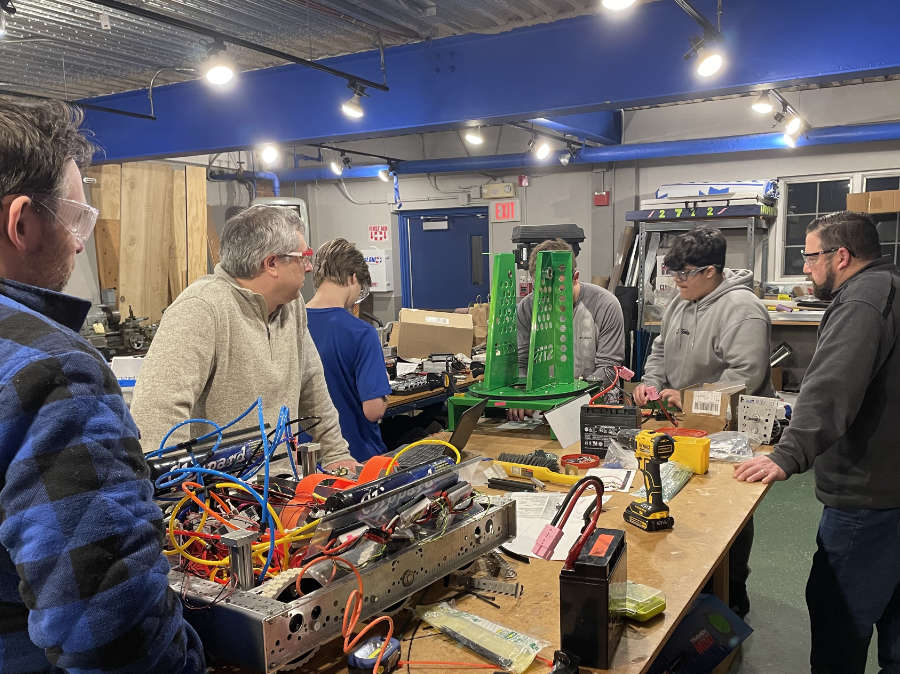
(715, 330)
(845, 426)
(238, 334)
(83, 582)
(349, 347)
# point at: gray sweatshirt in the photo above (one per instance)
(721, 337)
(599, 330)
(216, 351)
(844, 422)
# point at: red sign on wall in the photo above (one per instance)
(378, 232)
(506, 210)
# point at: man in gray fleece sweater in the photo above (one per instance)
(845, 426)
(716, 330)
(238, 334)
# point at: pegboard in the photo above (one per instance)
(551, 352)
(501, 364)
(756, 418)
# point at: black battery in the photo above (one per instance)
(591, 599)
(600, 423)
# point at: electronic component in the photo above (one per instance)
(362, 659)
(417, 383)
(601, 423)
(589, 595)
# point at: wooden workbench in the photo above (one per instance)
(709, 512)
(439, 394)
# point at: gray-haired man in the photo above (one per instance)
(237, 334)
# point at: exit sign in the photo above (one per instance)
(506, 210)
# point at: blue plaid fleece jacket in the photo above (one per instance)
(82, 579)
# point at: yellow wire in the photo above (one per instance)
(426, 441)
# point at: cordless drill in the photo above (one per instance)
(651, 449)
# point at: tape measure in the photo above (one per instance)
(362, 660)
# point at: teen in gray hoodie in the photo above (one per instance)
(715, 330)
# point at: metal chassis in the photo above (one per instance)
(264, 634)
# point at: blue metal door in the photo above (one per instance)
(443, 257)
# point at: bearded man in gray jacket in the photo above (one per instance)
(238, 334)
(715, 330)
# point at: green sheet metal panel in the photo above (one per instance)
(551, 351)
(501, 364)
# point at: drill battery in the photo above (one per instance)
(600, 423)
(591, 597)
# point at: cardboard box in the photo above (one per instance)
(418, 334)
(711, 407)
(885, 201)
(858, 202)
(882, 201)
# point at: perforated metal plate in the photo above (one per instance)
(501, 363)
(551, 352)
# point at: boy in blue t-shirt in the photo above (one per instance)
(349, 347)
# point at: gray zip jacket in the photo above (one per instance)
(721, 337)
(845, 420)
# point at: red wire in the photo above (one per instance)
(607, 389)
(575, 550)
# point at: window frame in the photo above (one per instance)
(779, 233)
(883, 173)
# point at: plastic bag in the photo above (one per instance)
(731, 446)
(618, 455)
(507, 648)
(673, 476)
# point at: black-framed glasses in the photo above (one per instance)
(812, 257)
(684, 274)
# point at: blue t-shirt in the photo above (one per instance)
(354, 371)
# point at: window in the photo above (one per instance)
(887, 223)
(805, 201)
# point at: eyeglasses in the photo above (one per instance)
(363, 294)
(812, 257)
(308, 254)
(684, 275)
(75, 217)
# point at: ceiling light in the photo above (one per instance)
(567, 156)
(269, 154)
(617, 5)
(794, 125)
(474, 137)
(384, 175)
(335, 167)
(542, 150)
(352, 108)
(218, 68)
(789, 140)
(709, 61)
(763, 103)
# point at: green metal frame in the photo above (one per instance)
(551, 356)
(501, 365)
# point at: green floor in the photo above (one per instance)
(783, 546)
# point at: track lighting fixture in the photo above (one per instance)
(763, 104)
(474, 137)
(345, 160)
(335, 166)
(269, 154)
(384, 175)
(617, 5)
(218, 67)
(540, 148)
(567, 156)
(352, 107)
(709, 59)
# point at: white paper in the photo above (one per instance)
(533, 511)
(614, 479)
(707, 402)
(565, 420)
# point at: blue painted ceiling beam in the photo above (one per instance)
(597, 62)
(832, 135)
(603, 126)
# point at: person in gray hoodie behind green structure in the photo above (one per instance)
(715, 330)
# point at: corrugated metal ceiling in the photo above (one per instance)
(58, 47)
